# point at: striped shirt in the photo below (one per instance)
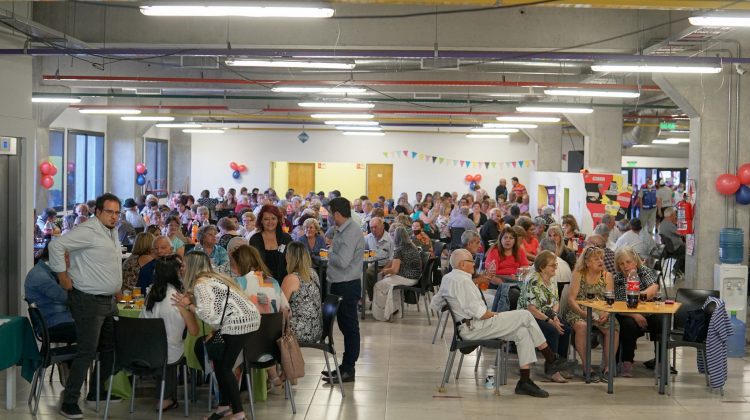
(719, 330)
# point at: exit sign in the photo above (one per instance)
(632, 163)
(667, 125)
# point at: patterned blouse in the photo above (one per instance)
(130, 270)
(411, 262)
(307, 315)
(535, 292)
(218, 256)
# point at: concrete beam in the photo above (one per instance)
(548, 140)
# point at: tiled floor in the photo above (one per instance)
(399, 371)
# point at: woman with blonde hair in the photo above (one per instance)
(312, 238)
(194, 263)
(590, 277)
(302, 289)
(141, 256)
(555, 233)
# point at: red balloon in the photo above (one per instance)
(53, 170)
(242, 168)
(478, 178)
(45, 168)
(743, 173)
(468, 178)
(140, 168)
(234, 166)
(48, 181)
(727, 184)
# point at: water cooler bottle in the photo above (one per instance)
(731, 281)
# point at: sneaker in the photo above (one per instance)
(113, 399)
(531, 389)
(627, 370)
(71, 411)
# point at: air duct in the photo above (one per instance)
(643, 132)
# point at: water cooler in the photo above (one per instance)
(731, 281)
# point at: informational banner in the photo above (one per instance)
(606, 194)
(551, 196)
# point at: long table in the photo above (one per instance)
(19, 348)
(644, 308)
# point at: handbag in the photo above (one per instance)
(696, 326)
(291, 356)
(215, 344)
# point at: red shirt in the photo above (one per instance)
(531, 246)
(506, 265)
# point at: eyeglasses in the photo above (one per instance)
(589, 249)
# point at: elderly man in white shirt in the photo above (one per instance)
(465, 300)
(638, 239)
(380, 242)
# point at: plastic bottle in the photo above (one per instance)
(633, 290)
(736, 341)
(489, 381)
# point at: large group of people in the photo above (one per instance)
(257, 253)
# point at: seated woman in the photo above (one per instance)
(302, 289)
(174, 232)
(227, 231)
(539, 296)
(271, 240)
(477, 216)
(161, 247)
(404, 269)
(312, 240)
(555, 233)
(570, 232)
(590, 276)
(420, 238)
(159, 304)
(183, 210)
(208, 243)
(505, 256)
(530, 243)
(248, 225)
(142, 255)
(633, 326)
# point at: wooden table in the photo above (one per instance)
(644, 308)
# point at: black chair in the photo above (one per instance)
(514, 293)
(137, 359)
(261, 351)
(325, 344)
(690, 299)
(468, 346)
(456, 233)
(421, 289)
(50, 355)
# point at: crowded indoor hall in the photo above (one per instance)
(366, 209)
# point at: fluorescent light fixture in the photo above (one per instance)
(677, 131)
(146, 118)
(670, 141)
(679, 139)
(592, 93)
(536, 63)
(487, 136)
(364, 123)
(528, 119)
(180, 125)
(342, 116)
(560, 109)
(357, 128)
(721, 20)
(54, 100)
(641, 146)
(203, 131)
(494, 130)
(495, 125)
(326, 90)
(110, 111)
(290, 64)
(363, 133)
(339, 105)
(655, 68)
(241, 11)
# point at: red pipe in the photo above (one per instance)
(463, 83)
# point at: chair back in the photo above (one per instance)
(260, 346)
(514, 293)
(330, 309)
(437, 247)
(456, 233)
(690, 299)
(39, 326)
(140, 345)
(456, 323)
(425, 280)
(424, 257)
(668, 248)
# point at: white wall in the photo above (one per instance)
(576, 201)
(211, 155)
(653, 162)
(74, 120)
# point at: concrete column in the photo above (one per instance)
(548, 140)
(179, 160)
(705, 100)
(123, 152)
(602, 135)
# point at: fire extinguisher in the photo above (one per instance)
(684, 217)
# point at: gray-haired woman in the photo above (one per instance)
(405, 269)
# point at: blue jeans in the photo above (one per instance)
(348, 320)
(557, 343)
(501, 302)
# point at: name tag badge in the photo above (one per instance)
(281, 248)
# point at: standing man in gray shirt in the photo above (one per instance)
(345, 276)
(93, 279)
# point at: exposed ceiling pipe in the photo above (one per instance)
(640, 133)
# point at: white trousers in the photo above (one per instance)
(517, 326)
(385, 301)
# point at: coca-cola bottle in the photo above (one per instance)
(633, 289)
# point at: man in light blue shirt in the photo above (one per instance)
(93, 280)
(345, 276)
(462, 221)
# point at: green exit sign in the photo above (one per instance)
(632, 163)
(667, 125)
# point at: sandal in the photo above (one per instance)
(558, 378)
(169, 407)
(218, 416)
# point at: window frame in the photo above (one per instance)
(87, 133)
(154, 171)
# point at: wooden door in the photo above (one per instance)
(301, 178)
(379, 180)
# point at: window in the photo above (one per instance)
(156, 155)
(56, 157)
(85, 168)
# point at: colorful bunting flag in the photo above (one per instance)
(520, 163)
(434, 158)
(413, 155)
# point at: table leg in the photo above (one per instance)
(587, 365)
(611, 356)
(664, 359)
(10, 388)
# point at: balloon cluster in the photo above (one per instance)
(473, 181)
(736, 184)
(141, 171)
(48, 171)
(237, 170)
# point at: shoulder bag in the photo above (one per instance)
(291, 356)
(215, 344)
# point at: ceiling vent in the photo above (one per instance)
(142, 91)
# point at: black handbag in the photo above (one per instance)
(215, 344)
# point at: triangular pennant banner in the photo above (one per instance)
(468, 163)
(462, 163)
(406, 152)
(413, 155)
(434, 158)
(514, 164)
(486, 165)
(533, 162)
(526, 162)
(494, 164)
(385, 154)
(441, 160)
(520, 163)
(455, 162)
